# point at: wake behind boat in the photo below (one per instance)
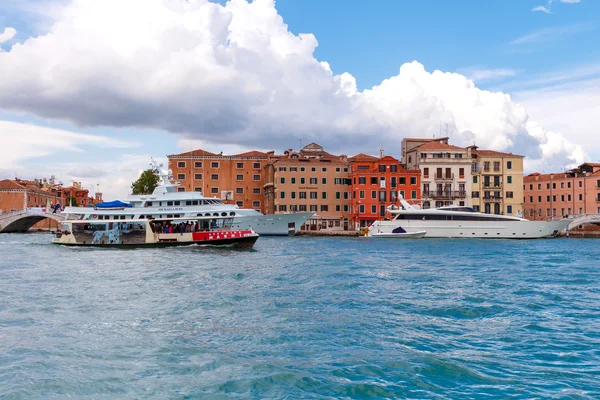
(167, 202)
(463, 222)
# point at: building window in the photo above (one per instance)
(302, 181)
(198, 177)
(461, 172)
(509, 166)
(313, 169)
(256, 190)
(382, 168)
(256, 177)
(323, 169)
(313, 181)
(282, 169)
(302, 195)
(214, 177)
(324, 207)
(324, 181)
(198, 189)
(509, 179)
(373, 194)
(239, 190)
(239, 177)
(373, 180)
(426, 172)
(214, 190)
(302, 169)
(181, 176)
(346, 195)
(198, 164)
(180, 164)
(413, 180)
(282, 195)
(413, 194)
(282, 208)
(239, 165)
(496, 166)
(313, 207)
(509, 195)
(214, 164)
(361, 209)
(256, 204)
(475, 179)
(292, 195)
(256, 165)
(337, 169)
(293, 180)
(313, 195)
(338, 195)
(240, 203)
(362, 180)
(302, 207)
(393, 168)
(361, 194)
(373, 209)
(382, 195)
(282, 180)
(293, 169)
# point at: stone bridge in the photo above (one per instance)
(584, 219)
(22, 220)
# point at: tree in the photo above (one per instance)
(146, 183)
(71, 201)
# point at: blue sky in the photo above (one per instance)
(547, 61)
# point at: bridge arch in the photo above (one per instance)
(591, 219)
(22, 222)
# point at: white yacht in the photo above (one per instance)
(463, 222)
(167, 202)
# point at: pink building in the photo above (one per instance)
(575, 192)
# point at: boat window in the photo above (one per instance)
(223, 214)
(148, 204)
(232, 213)
(215, 214)
(169, 203)
(207, 215)
(188, 203)
(141, 216)
(195, 202)
(169, 216)
(177, 203)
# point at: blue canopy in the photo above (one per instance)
(113, 204)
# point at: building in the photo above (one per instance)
(445, 171)
(236, 179)
(556, 195)
(377, 183)
(497, 182)
(310, 180)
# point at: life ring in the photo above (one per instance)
(94, 216)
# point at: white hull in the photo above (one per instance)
(407, 235)
(474, 229)
(272, 224)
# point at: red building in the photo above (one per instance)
(377, 183)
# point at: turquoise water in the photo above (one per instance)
(301, 318)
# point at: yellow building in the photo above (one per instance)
(497, 182)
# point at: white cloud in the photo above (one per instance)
(235, 75)
(570, 1)
(542, 9)
(7, 34)
(483, 74)
(24, 141)
(551, 34)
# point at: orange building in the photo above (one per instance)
(548, 196)
(310, 180)
(235, 179)
(377, 183)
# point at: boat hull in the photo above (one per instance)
(474, 229)
(405, 235)
(245, 242)
(272, 224)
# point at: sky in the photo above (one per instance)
(90, 91)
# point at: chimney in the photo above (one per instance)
(381, 152)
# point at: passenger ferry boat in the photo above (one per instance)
(463, 222)
(167, 202)
(160, 232)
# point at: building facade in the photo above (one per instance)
(445, 171)
(310, 180)
(497, 182)
(576, 192)
(235, 179)
(378, 183)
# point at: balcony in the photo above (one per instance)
(491, 185)
(443, 177)
(492, 199)
(445, 194)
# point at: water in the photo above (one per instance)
(301, 318)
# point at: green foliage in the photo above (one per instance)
(146, 183)
(71, 201)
